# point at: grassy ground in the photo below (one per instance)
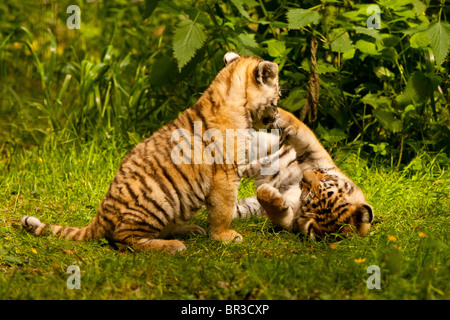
(63, 184)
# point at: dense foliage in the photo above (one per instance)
(134, 65)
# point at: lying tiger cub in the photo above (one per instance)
(308, 193)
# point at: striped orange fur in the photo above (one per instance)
(151, 198)
(309, 193)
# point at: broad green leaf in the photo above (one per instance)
(189, 37)
(383, 73)
(297, 76)
(295, 100)
(323, 68)
(163, 71)
(239, 4)
(390, 40)
(150, 6)
(374, 33)
(388, 120)
(396, 5)
(439, 35)
(376, 101)
(366, 47)
(299, 18)
(276, 48)
(419, 40)
(418, 88)
(246, 44)
(331, 136)
(348, 55)
(342, 43)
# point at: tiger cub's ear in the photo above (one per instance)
(267, 73)
(230, 56)
(364, 213)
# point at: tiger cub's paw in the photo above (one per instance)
(170, 246)
(188, 229)
(270, 198)
(288, 134)
(227, 236)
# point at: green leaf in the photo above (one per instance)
(418, 88)
(390, 40)
(331, 136)
(276, 48)
(150, 6)
(348, 55)
(246, 44)
(383, 73)
(388, 120)
(342, 43)
(239, 4)
(323, 68)
(419, 40)
(299, 18)
(295, 100)
(374, 33)
(439, 35)
(366, 47)
(376, 101)
(189, 37)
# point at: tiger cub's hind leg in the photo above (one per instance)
(142, 244)
(183, 230)
(141, 236)
(247, 208)
(275, 205)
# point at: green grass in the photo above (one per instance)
(65, 184)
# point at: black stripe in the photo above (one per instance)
(124, 203)
(156, 179)
(144, 233)
(169, 178)
(275, 175)
(188, 193)
(190, 120)
(192, 129)
(238, 210)
(137, 223)
(228, 84)
(198, 112)
(107, 221)
(146, 210)
(157, 207)
(340, 206)
(306, 156)
(186, 180)
(285, 151)
(248, 116)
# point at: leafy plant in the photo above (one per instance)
(134, 66)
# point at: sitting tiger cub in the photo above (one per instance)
(153, 194)
(308, 194)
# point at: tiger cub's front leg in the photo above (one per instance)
(275, 205)
(221, 206)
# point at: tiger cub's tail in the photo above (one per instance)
(93, 230)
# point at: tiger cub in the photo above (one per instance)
(151, 197)
(308, 193)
